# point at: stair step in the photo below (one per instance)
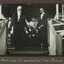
(27, 52)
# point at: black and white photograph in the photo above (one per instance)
(32, 29)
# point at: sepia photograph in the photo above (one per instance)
(32, 29)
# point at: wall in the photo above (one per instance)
(52, 38)
(3, 42)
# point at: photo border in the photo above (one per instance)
(5, 59)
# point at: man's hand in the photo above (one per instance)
(40, 26)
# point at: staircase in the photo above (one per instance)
(25, 51)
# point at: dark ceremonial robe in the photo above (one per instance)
(19, 35)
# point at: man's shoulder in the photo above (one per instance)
(45, 15)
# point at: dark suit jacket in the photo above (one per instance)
(42, 34)
(43, 21)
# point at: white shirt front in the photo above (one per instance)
(18, 15)
(42, 15)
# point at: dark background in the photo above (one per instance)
(47, 57)
(29, 9)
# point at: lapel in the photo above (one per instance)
(42, 15)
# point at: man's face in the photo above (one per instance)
(19, 9)
(41, 10)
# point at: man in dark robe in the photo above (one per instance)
(19, 35)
